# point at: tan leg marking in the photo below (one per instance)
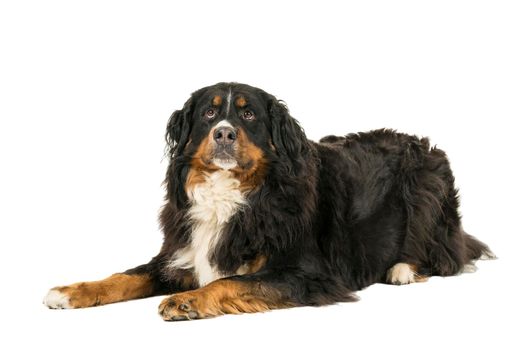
(118, 287)
(252, 266)
(219, 298)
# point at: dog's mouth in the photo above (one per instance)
(224, 157)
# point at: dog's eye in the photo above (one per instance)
(210, 113)
(248, 115)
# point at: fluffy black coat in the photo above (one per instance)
(331, 217)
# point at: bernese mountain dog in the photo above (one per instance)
(257, 217)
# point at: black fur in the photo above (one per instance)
(331, 217)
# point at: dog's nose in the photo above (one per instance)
(224, 135)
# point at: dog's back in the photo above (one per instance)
(391, 200)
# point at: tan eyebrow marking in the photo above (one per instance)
(240, 102)
(217, 100)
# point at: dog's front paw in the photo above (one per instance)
(181, 307)
(78, 295)
(55, 299)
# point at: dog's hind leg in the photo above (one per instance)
(403, 273)
(435, 241)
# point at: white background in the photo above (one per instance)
(86, 89)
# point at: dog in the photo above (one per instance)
(257, 217)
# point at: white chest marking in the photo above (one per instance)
(213, 203)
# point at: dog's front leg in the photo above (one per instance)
(225, 296)
(140, 282)
(261, 291)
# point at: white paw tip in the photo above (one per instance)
(469, 268)
(488, 255)
(57, 300)
(401, 273)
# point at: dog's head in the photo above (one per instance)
(234, 127)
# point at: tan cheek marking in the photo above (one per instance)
(240, 102)
(194, 178)
(217, 100)
(200, 164)
(249, 153)
(202, 155)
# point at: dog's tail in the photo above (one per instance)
(476, 249)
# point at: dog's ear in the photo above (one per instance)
(179, 128)
(177, 136)
(287, 135)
